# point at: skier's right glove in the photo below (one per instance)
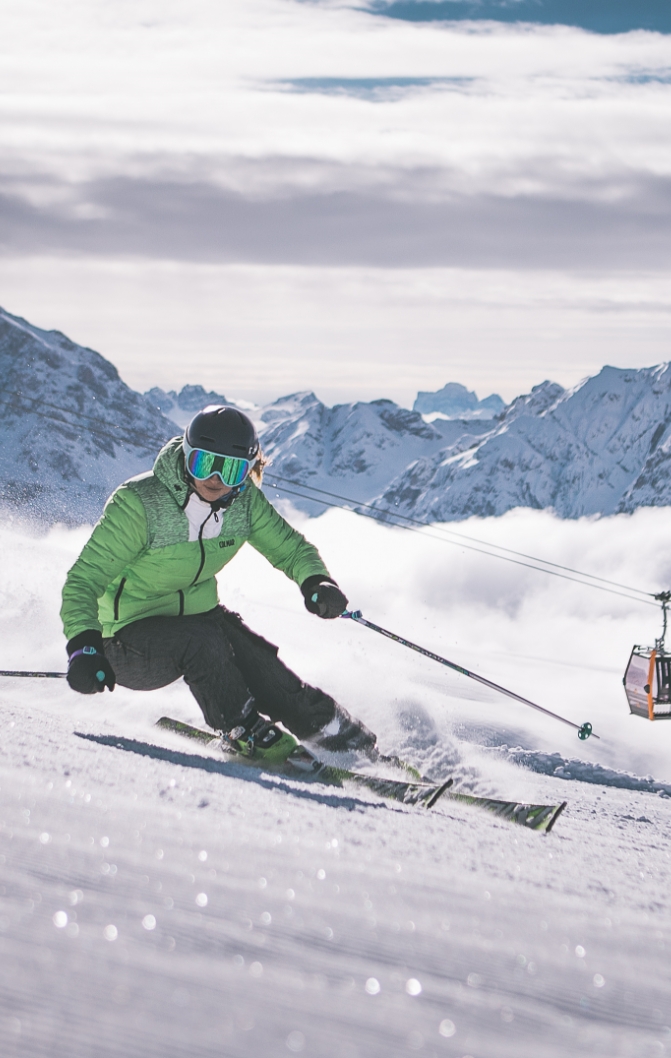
(88, 668)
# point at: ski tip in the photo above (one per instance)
(556, 816)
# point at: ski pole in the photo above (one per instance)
(43, 675)
(584, 730)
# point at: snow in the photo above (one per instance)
(357, 449)
(73, 431)
(599, 448)
(454, 401)
(156, 899)
(181, 407)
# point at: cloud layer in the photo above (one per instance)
(195, 220)
(284, 135)
(316, 134)
(557, 643)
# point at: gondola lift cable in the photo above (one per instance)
(647, 685)
(463, 540)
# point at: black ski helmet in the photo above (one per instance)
(224, 430)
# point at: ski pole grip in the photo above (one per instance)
(84, 650)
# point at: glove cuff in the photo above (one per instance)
(308, 586)
(92, 638)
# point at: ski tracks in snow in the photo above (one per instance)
(153, 906)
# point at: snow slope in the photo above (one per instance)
(156, 900)
(599, 448)
(454, 401)
(182, 406)
(70, 429)
(351, 448)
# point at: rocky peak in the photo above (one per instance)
(71, 430)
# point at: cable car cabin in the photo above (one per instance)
(647, 683)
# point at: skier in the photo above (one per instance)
(140, 605)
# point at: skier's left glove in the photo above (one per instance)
(88, 668)
(323, 597)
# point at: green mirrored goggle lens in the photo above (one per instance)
(202, 465)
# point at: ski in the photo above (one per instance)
(302, 764)
(535, 817)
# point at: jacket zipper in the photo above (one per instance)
(117, 598)
(181, 602)
(202, 546)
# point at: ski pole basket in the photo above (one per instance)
(647, 680)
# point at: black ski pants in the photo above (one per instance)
(224, 663)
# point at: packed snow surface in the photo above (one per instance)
(158, 900)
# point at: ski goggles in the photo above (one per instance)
(202, 464)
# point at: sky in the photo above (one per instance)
(600, 16)
(362, 199)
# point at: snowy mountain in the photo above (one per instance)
(354, 449)
(599, 448)
(454, 401)
(71, 430)
(182, 406)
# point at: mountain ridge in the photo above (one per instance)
(602, 447)
(72, 430)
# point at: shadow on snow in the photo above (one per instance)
(234, 770)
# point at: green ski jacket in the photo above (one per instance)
(146, 557)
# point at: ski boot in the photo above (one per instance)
(260, 739)
(344, 734)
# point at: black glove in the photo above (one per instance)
(323, 597)
(88, 668)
